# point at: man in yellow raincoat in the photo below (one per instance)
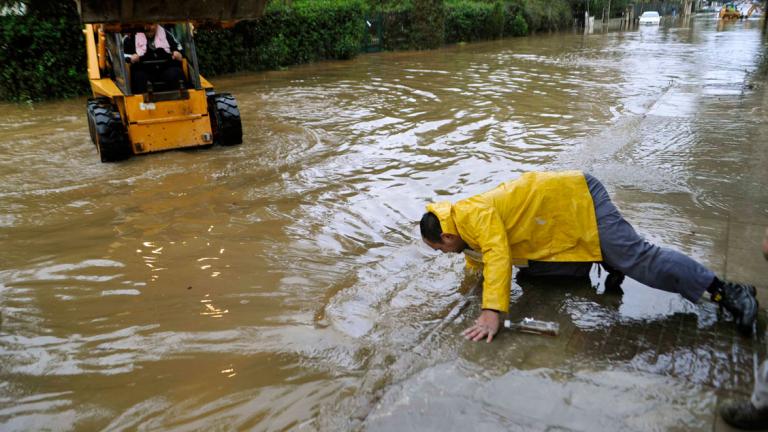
(560, 223)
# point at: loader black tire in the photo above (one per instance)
(108, 131)
(90, 107)
(227, 128)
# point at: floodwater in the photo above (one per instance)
(282, 285)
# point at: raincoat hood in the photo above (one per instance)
(444, 212)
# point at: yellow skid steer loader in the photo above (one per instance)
(134, 109)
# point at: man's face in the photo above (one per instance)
(151, 29)
(448, 243)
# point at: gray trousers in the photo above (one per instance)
(625, 251)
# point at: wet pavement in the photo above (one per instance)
(281, 284)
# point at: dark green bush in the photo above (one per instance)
(42, 57)
(413, 24)
(496, 20)
(546, 15)
(516, 26)
(396, 29)
(428, 24)
(273, 54)
(303, 32)
(347, 47)
(468, 20)
(220, 51)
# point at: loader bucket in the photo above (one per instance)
(147, 11)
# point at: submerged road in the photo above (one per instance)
(282, 285)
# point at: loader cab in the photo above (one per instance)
(121, 44)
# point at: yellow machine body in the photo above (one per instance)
(152, 125)
(158, 126)
(190, 114)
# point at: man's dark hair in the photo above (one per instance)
(430, 228)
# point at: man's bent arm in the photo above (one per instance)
(491, 235)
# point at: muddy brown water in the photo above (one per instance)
(281, 284)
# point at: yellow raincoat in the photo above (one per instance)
(541, 216)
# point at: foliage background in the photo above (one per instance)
(42, 52)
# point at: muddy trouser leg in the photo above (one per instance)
(624, 250)
(760, 393)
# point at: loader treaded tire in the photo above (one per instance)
(107, 131)
(229, 129)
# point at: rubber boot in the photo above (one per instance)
(743, 415)
(739, 300)
(613, 281)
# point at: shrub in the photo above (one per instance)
(42, 57)
(546, 15)
(274, 54)
(305, 31)
(346, 48)
(517, 26)
(42, 54)
(428, 29)
(467, 21)
(416, 24)
(496, 20)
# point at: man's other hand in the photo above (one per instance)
(486, 326)
(176, 55)
(135, 58)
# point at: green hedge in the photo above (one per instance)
(468, 21)
(546, 15)
(306, 31)
(44, 57)
(412, 24)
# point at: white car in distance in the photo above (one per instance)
(650, 18)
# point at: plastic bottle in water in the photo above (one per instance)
(530, 325)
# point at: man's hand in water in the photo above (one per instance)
(486, 326)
